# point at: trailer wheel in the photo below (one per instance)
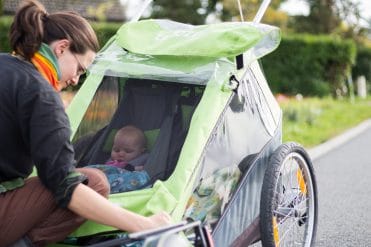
(289, 206)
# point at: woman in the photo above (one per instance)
(51, 51)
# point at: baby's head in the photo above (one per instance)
(128, 144)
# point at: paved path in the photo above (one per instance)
(344, 184)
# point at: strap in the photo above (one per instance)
(157, 165)
(157, 160)
(11, 185)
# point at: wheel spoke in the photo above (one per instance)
(293, 198)
(292, 210)
(288, 230)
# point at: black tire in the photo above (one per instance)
(288, 211)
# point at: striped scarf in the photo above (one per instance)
(46, 63)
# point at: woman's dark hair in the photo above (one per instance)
(33, 25)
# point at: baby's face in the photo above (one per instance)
(126, 149)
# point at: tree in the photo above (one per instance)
(350, 13)
(100, 11)
(230, 10)
(196, 11)
(186, 11)
(341, 17)
(324, 15)
(323, 18)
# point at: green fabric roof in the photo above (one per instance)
(164, 37)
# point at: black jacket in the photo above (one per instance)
(34, 130)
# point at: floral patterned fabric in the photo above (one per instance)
(210, 197)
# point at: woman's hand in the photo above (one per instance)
(158, 220)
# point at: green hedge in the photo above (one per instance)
(5, 22)
(363, 63)
(309, 65)
(103, 30)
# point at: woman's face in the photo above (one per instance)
(72, 66)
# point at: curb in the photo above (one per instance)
(333, 143)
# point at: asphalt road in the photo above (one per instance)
(344, 186)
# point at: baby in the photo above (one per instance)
(128, 149)
(124, 170)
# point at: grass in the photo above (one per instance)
(312, 121)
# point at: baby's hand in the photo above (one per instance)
(139, 168)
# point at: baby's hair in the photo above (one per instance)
(131, 129)
(33, 25)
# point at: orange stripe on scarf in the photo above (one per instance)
(46, 69)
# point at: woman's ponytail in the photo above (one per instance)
(27, 29)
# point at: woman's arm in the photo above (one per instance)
(91, 205)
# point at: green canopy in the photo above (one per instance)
(173, 51)
(169, 38)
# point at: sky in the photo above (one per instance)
(299, 7)
(295, 7)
